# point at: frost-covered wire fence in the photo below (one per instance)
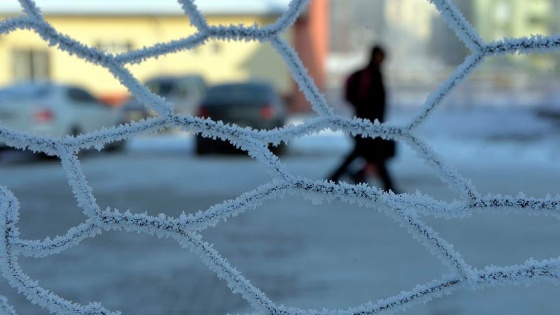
(405, 208)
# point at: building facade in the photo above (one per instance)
(498, 19)
(126, 25)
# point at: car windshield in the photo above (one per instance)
(161, 88)
(238, 92)
(24, 91)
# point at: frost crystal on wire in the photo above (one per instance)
(405, 209)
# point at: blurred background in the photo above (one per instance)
(423, 50)
(332, 39)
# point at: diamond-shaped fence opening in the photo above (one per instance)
(196, 186)
(407, 210)
(38, 206)
(183, 77)
(282, 228)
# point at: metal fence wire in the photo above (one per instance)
(404, 208)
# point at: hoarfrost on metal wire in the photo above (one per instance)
(404, 208)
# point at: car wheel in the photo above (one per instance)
(202, 148)
(278, 150)
(117, 146)
(74, 131)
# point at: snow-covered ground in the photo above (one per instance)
(313, 256)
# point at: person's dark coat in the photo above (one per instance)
(365, 91)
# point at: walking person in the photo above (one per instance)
(365, 91)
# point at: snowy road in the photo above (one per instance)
(332, 255)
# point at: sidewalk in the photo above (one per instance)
(302, 255)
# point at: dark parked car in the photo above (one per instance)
(185, 91)
(246, 104)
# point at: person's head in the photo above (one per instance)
(377, 56)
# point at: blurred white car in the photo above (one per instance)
(51, 109)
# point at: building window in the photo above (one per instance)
(503, 12)
(216, 47)
(196, 50)
(29, 64)
(114, 46)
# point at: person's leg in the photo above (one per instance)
(384, 175)
(335, 176)
(360, 176)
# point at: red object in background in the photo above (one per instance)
(113, 99)
(43, 115)
(311, 33)
(268, 112)
(203, 113)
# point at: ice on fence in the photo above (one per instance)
(405, 209)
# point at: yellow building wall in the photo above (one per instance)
(216, 61)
